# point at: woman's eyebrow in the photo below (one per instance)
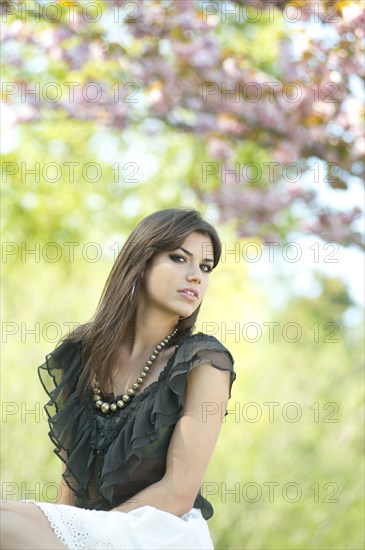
(191, 254)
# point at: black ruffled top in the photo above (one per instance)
(110, 458)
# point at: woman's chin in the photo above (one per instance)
(185, 314)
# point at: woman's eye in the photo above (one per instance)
(176, 258)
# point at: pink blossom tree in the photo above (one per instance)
(268, 89)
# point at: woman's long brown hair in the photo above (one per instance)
(114, 319)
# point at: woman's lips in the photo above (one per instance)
(188, 296)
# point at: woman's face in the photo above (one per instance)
(176, 281)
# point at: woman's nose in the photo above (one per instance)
(194, 273)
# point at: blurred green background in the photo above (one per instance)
(287, 472)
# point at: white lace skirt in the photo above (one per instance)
(145, 528)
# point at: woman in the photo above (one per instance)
(131, 400)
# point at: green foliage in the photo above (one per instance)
(167, 143)
(319, 455)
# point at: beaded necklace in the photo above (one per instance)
(105, 406)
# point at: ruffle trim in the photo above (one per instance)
(149, 418)
(165, 409)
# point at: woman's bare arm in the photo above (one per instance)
(66, 495)
(191, 446)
